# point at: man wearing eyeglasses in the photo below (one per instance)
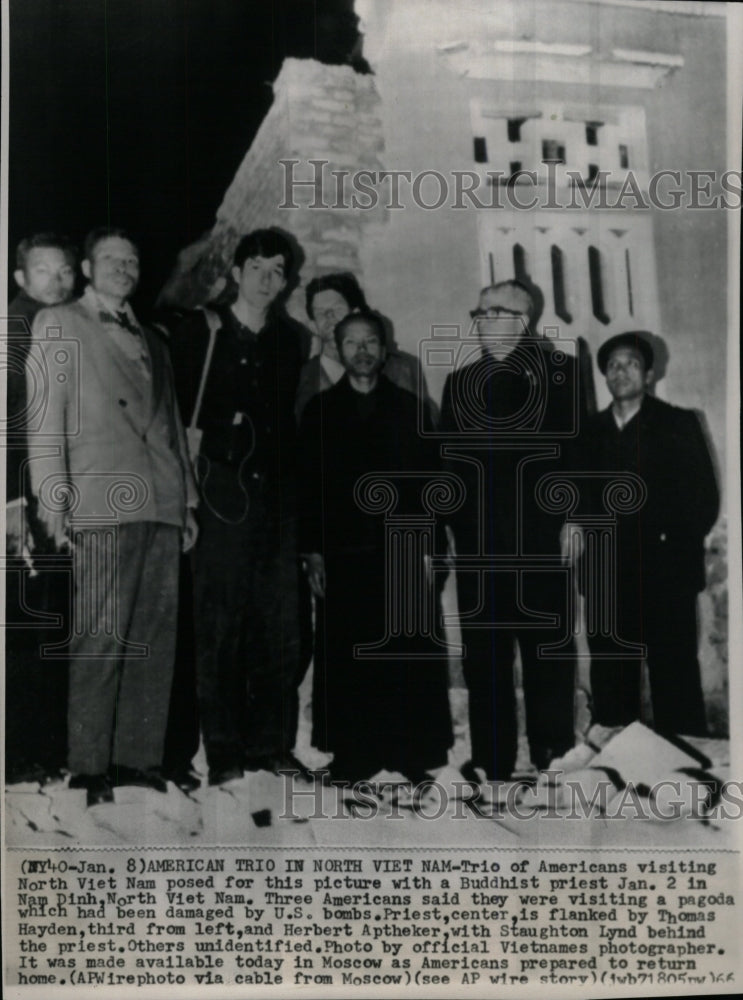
(659, 546)
(507, 417)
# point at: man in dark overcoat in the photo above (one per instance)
(659, 568)
(509, 418)
(35, 686)
(380, 698)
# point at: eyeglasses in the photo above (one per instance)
(493, 312)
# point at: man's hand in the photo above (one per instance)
(190, 531)
(314, 567)
(571, 543)
(54, 524)
(17, 536)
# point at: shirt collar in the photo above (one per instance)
(333, 369)
(619, 422)
(94, 302)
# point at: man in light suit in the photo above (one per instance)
(110, 468)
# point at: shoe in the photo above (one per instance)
(342, 772)
(470, 773)
(543, 756)
(477, 775)
(281, 763)
(151, 778)
(97, 786)
(183, 778)
(221, 775)
(52, 775)
(417, 776)
(25, 773)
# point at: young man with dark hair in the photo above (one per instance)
(36, 689)
(117, 489)
(245, 566)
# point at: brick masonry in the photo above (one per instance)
(319, 112)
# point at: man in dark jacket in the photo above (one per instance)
(508, 418)
(245, 566)
(36, 688)
(659, 545)
(380, 696)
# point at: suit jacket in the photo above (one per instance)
(105, 434)
(499, 417)
(661, 544)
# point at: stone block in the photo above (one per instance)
(330, 104)
(343, 263)
(344, 235)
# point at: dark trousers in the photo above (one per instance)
(247, 625)
(122, 646)
(35, 685)
(488, 666)
(665, 621)
(182, 734)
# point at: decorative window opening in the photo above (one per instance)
(630, 297)
(553, 150)
(513, 168)
(559, 292)
(593, 172)
(596, 276)
(514, 129)
(592, 133)
(481, 149)
(623, 156)
(520, 264)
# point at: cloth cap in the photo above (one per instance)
(637, 339)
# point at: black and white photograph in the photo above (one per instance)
(372, 567)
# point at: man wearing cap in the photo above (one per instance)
(659, 546)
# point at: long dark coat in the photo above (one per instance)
(375, 712)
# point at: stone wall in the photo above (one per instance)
(319, 112)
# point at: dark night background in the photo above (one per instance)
(137, 113)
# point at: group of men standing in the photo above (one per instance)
(149, 443)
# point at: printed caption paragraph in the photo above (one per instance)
(445, 920)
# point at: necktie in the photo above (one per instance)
(122, 318)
